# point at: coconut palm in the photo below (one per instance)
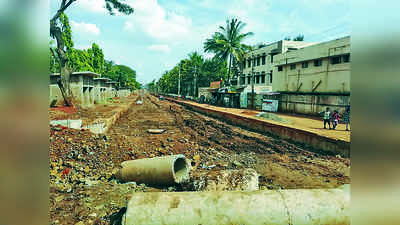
(227, 42)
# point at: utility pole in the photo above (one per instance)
(252, 83)
(194, 83)
(179, 82)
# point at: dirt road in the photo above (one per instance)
(88, 193)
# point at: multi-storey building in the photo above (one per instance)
(314, 77)
(259, 64)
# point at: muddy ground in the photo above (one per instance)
(223, 157)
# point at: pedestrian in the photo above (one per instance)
(327, 117)
(335, 119)
(347, 117)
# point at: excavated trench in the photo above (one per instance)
(222, 157)
(216, 149)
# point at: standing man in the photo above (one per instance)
(347, 117)
(327, 117)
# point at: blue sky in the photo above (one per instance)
(161, 32)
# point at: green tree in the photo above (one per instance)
(97, 56)
(227, 43)
(299, 37)
(61, 32)
(124, 75)
(207, 70)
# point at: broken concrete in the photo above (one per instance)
(155, 131)
(74, 124)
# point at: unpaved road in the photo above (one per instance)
(89, 194)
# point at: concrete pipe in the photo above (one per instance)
(165, 170)
(272, 207)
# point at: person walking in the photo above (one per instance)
(327, 117)
(347, 117)
(335, 119)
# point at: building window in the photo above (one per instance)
(346, 58)
(244, 64)
(263, 59)
(292, 66)
(249, 63)
(242, 80)
(257, 79)
(336, 60)
(304, 65)
(258, 61)
(317, 62)
(248, 80)
(280, 68)
(270, 77)
(263, 79)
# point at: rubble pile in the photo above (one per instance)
(84, 190)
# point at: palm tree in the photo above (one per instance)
(228, 42)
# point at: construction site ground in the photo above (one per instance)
(90, 114)
(307, 123)
(84, 191)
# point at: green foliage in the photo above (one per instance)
(227, 43)
(207, 71)
(299, 37)
(151, 86)
(66, 32)
(97, 58)
(92, 60)
(80, 60)
(124, 75)
(119, 6)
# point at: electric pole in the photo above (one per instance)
(179, 82)
(194, 83)
(252, 83)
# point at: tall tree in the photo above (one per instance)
(227, 42)
(299, 37)
(59, 31)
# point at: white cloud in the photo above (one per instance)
(157, 22)
(159, 48)
(83, 28)
(128, 26)
(97, 6)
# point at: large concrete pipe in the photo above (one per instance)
(272, 207)
(165, 170)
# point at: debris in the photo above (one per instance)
(166, 170)
(155, 131)
(139, 102)
(203, 140)
(116, 218)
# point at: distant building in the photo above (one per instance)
(314, 77)
(261, 63)
(88, 88)
(81, 85)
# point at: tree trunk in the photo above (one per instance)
(229, 69)
(65, 72)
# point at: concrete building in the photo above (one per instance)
(111, 90)
(100, 89)
(261, 63)
(313, 77)
(88, 88)
(81, 84)
(124, 92)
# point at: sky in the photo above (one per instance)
(162, 32)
